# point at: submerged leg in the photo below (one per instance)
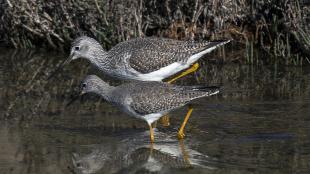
(181, 130)
(151, 133)
(193, 68)
(184, 152)
(151, 149)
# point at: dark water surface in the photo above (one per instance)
(259, 123)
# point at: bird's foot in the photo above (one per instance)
(181, 135)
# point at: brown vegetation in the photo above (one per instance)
(277, 26)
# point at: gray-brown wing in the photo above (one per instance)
(151, 54)
(154, 97)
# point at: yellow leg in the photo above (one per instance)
(165, 120)
(181, 131)
(193, 68)
(151, 133)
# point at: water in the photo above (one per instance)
(258, 124)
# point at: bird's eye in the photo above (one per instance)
(83, 85)
(77, 48)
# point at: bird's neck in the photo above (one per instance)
(105, 91)
(101, 60)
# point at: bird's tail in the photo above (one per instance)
(216, 43)
(206, 48)
(205, 90)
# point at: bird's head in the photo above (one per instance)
(93, 84)
(85, 47)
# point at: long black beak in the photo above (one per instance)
(60, 67)
(74, 99)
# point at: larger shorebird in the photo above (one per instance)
(144, 59)
(147, 100)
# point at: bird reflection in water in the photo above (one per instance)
(136, 155)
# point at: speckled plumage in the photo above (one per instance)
(139, 58)
(151, 54)
(144, 99)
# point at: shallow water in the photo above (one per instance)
(259, 123)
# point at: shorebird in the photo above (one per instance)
(147, 100)
(144, 59)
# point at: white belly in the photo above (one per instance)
(164, 72)
(150, 118)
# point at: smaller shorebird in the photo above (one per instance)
(147, 100)
(144, 59)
